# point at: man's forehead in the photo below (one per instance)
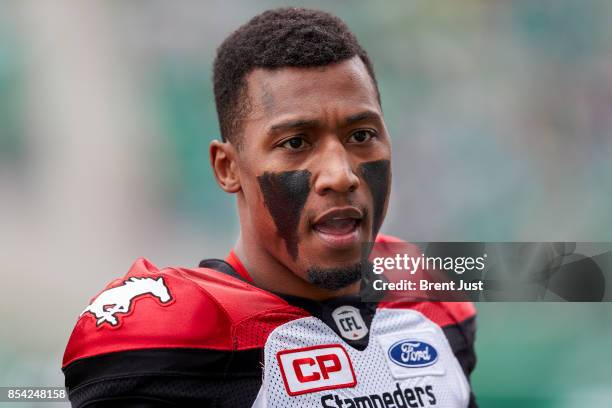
(287, 89)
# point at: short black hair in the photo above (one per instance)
(283, 37)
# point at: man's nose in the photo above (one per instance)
(335, 172)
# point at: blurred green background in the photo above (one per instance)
(501, 120)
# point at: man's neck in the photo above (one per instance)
(269, 273)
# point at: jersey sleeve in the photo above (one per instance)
(158, 338)
(132, 345)
(461, 335)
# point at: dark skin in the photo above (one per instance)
(323, 125)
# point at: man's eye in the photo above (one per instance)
(295, 143)
(361, 136)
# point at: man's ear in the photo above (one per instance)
(223, 157)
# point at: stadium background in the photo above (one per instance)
(501, 119)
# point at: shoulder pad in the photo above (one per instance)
(441, 313)
(176, 308)
(388, 239)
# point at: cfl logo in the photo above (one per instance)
(350, 324)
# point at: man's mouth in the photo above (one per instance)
(339, 226)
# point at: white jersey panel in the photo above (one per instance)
(408, 363)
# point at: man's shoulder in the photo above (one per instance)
(151, 308)
(388, 243)
(442, 313)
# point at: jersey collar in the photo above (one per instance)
(235, 262)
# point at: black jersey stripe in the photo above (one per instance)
(204, 363)
(461, 337)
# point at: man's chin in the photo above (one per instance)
(334, 278)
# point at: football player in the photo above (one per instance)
(279, 322)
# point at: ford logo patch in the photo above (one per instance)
(413, 353)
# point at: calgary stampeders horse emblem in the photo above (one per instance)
(119, 299)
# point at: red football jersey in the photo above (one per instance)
(207, 336)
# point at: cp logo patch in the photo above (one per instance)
(316, 368)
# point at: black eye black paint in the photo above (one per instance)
(285, 194)
(377, 175)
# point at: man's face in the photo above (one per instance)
(314, 168)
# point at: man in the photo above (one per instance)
(280, 322)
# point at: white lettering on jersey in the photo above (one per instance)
(119, 299)
(350, 323)
(316, 368)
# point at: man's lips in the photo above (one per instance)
(337, 227)
(339, 213)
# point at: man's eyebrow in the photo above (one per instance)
(309, 123)
(361, 116)
(293, 124)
